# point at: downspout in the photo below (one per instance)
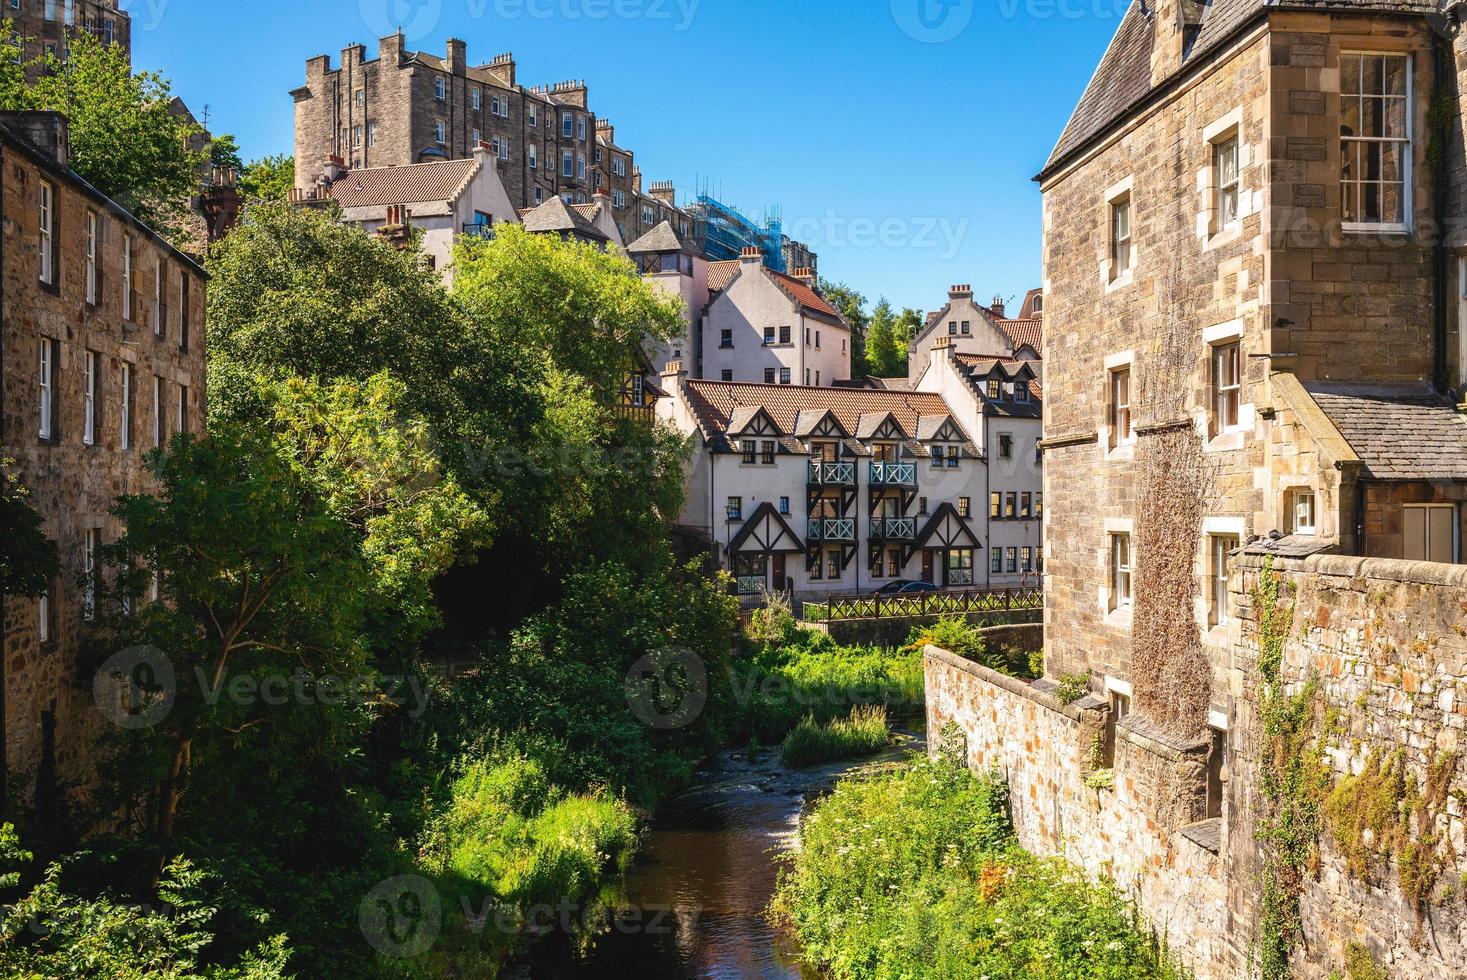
(4, 653)
(1437, 154)
(987, 504)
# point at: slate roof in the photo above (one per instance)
(1400, 432)
(715, 403)
(1123, 77)
(721, 273)
(659, 239)
(415, 183)
(1290, 546)
(557, 216)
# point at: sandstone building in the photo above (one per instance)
(1252, 302)
(44, 25)
(103, 360)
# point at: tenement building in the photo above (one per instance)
(405, 107)
(1256, 467)
(45, 25)
(103, 361)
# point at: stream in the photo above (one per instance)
(699, 889)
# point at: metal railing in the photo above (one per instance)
(831, 529)
(949, 601)
(893, 474)
(751, 584)
(893, 528)
(832, 474)
(480, 230)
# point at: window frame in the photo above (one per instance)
(125, 385)
(1407, 144)
(91, 418)
(1122, 429)
(93, 242)
(1227, 397)
(1219, 547)
(1225, 189)
(1122, 565)
(46, 217)
(47, 356)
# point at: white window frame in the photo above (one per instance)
(1228, 185)
(534, 155)
(1407, 144)
(1298, 500)
(1219, 547)
(89, 398)
(1428, 511)
(127, 244)
(159, 425)
(476, 97)
(158, 325)
(46, 379)
(1226, 395)
(47, 233)
(440, 132)
(91, 277)
(1121, 566)
(124, 416)
(440, 89)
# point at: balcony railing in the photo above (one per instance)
(832, 474)
(893, 474)
(893, 529)
(831, 529)
(751, 584)
(879, 606)
(959, 577)
(480, 230)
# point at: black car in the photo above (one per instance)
(904, 587)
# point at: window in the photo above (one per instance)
(1375, 140)
(1431, 533)
(184, 309)
(440, 91)
(938, 454)
(784, 334)
(1026, 506)
(50, 355)
(1303, 506)
(476, 96)
(48, 233)
(440, 132)
(182, 408)
(1011, 560)
(1005, 446)
(160, 311)
(127, 277)
(1225, 170)
(502, 149)
(1120, 571)
(1227, 385)
(725, 375)
(735, 508)
(995, 561)
(1011, 505)
(784, 505)
(965, 506)
(725, 338)
(160, 429)
(124, 423)
(784, 376)
(766, 453)
(89, 574)
(43, 618)
(477, 137)
(1222, 547)
(995, 390)
(769, 376)
(817, 340)
(91, 279)
(534, 152)
(750, 450)
(567, 125)
(1120, 705)
(952, 328)
(995, 506)
(356, 136)
(534, 116)
(1120, 237)
(832, 564)
(1026, 559)
(1120, 406)
(921, 505)
(580, 127)
(768, 336)
(371, 134)
(92, 363)
(567, 164)
(1021, 391)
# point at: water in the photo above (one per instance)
(704, 880)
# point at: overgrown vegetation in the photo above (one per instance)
(863, 733)
(1072, 687)
(956, 635)
(915, 873)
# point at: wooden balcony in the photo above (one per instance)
(893, 529)
(833, 529)
(893, 475)
(832, 474)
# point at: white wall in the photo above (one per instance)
(748, 305)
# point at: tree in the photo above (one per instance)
(224, 153)
(269, 178)
(908, 326)
(881, 346)
(28, 559)
(123, 138)
(852, 306)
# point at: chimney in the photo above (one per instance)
(353, 55)
(335, 169)
(960, 292)
(662, 190)
(398, 228)
(673, 376)
(998, 307)
(751, 256)
(806, 276)
(502, 68)
(49, 132)
(606, 131)
(390, 50)
(943, 342)
(1176, 24)
(458, 56)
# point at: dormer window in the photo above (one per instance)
(1021, 391)
(995, 390)
(750, 449)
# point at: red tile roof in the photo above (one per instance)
(807, 298)
(1023, 332)
(416, 183)
(721, 273)
(713, 402)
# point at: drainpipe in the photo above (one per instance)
(1440, 376)
(987, 506)
(4, 655)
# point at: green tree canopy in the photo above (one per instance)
(125, 140)
(224, 152)
(28, 560)
(852, 306)
(269, 178)
(883, 357)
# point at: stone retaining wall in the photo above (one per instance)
(1024, 627)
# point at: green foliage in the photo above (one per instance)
(863, 733)
(1361, 965)
(28, 559)
(1073, 687)
(852, 306)
(813, 676)
(224, 153)
(915, 873)
(269, 178)
(49, 932)
(1101, 779)
(124, 139)
(956, 635)
(883, 354)
(773, 622)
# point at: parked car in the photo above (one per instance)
(904, 587)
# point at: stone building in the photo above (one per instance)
(101, 360)
(972, 328)
(1249, 225)
(45, 25)
(405, 107)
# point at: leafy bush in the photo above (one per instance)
(956, 635)
(1072, 687)
(863, 733)
(916, 873)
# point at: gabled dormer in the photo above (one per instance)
(752, 422)
(819, 425)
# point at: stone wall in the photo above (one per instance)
(1022, 630)
(1386, 643)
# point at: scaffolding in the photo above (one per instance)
(725, 232)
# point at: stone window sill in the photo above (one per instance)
(1119, 618)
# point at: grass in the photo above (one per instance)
(915, 873)
(863, 733)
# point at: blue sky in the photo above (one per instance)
(897, 136)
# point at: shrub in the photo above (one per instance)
(956, 635)
(863, 733)
(1072, 687)
(916, 873)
